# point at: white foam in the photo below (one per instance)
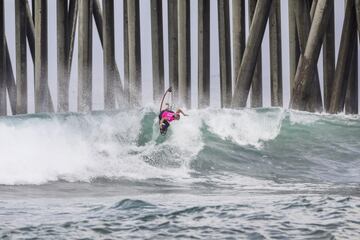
(183, 143)
(39, 151)
(300, 117)
(80, 148)
(244, 127)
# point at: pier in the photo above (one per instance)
(311, 34)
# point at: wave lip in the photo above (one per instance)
(246, 127)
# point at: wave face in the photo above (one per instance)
(231, 147)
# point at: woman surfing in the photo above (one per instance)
(167, 115)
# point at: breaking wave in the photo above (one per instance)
(270, 144)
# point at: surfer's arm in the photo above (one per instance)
(180, 111)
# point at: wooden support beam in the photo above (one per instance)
(21, 60)
(157, 49)
(357, 8)
(85, 56)
(204, 53)
(342, 70)
(42, 100)
(173, 47)
(10, 81)
(315, 98)
(109, 54)
(329, 59)
(256, 84)
(308, 60)
(66, 27)
(253, 45)
(313, 4)
(72, 16)
(62, 45)
(33, 10)
(30, 33)
(224, 53)
(238, 35)
(275, 54)
(126, 54)
(294, 47)
(3, 104)
(134, 52)
(71, 28)
(352, 95)
(98, 17)
(184, 53)
(303, 22)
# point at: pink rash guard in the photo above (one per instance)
(169, 116)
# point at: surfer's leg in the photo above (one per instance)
(164, 127)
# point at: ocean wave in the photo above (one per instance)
(270, 143)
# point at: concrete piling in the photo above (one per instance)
(62, 38)
(275, 54)
(126, 53)
(184, 59)
(357, 10)
(67, 13)
(256, 84)
(294, 49)
(109, 54)
(252, 49)
(3, 110)
(71, 29)
(30, 34)
(30, 31)
(329, 58)
(118, 88)
(351, 99)
(304, 78)
(342, 70)
(224, 53)
(238, 34)
(303, 22)
(41, 57)
(10, 81)
(204, 53)
(21, 61)
(157, 49)
(173, 47)
(134, 52)
(85, 56)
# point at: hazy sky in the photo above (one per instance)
(146, 52)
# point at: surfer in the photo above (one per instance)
(166, 116)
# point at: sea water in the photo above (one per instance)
(218, 174)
